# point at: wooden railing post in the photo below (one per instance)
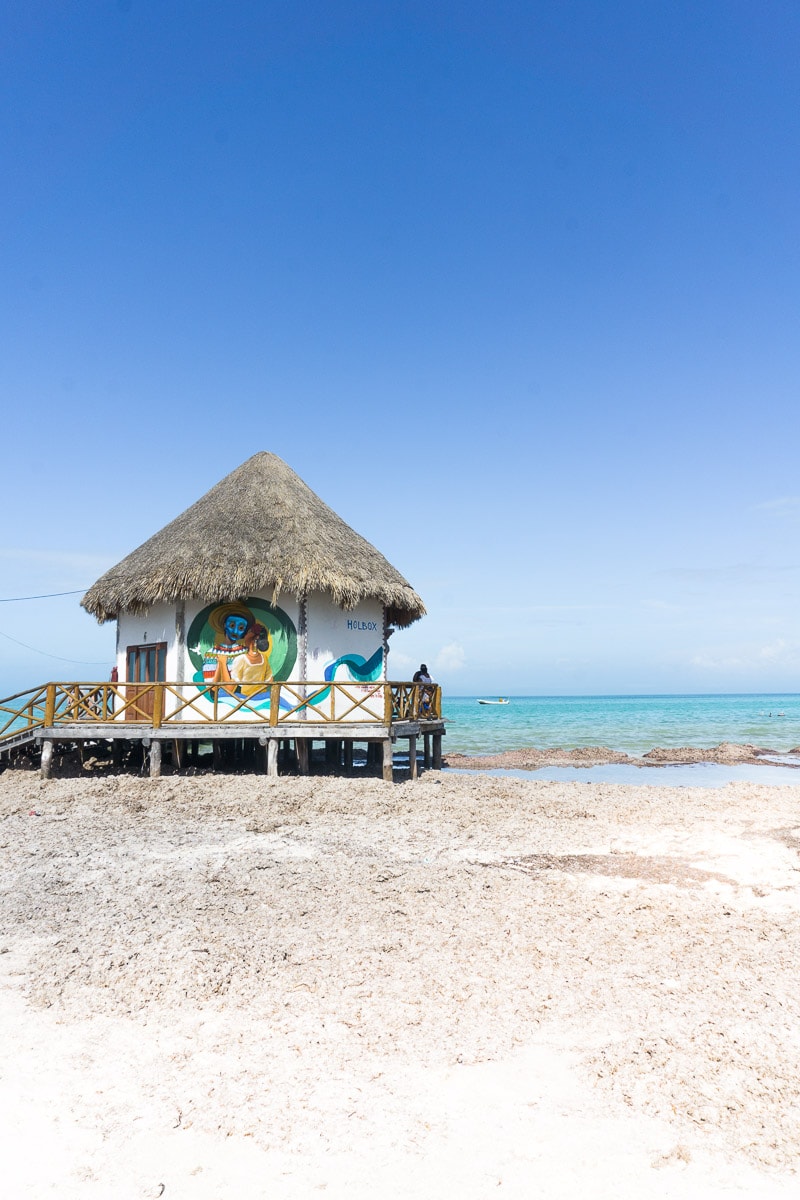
(158, 705)
(274, 706)
(50, 705)
(387, 704)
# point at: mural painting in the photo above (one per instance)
(359, 669)
(244, 645)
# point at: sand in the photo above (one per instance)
(221, 987)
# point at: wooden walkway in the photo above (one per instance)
(180, 716)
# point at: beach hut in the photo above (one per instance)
(257, 584)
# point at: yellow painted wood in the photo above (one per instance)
(50, 705)
(339, 703)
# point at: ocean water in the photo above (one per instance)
(633, 724)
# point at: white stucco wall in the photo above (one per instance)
(334, 632)
(158, 625)
(349, 644)
(356, 634)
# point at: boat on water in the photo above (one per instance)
(499, 700)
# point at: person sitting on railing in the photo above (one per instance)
(425, 693)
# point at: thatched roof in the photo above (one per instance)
(260, 531)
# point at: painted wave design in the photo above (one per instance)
(257, 701)
(365, 670)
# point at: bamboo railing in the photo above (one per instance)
(161, 705)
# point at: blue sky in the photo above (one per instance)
(513, 287)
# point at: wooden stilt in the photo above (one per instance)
(116, 753)
(155, 759)
(426, 744)
(47, 759)
(217, 752)
(387, 760)
(437, 752)
(412, 756)
(272, 756)
(348, 755)
(302, 749)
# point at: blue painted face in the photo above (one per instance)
(235, 628)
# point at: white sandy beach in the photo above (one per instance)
(221, 987)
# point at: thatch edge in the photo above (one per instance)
(322, 554)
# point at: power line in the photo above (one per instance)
(46, 596)
(82, 661)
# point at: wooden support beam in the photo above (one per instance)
(412, 757)
(302, 748)
(348, 755)
(437, 751)
(155, 759)
(272, 756)
(426, 744)
(47, 758)
(387, 760)
(216, 748)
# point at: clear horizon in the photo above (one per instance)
(513, 289)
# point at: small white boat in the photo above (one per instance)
(499, 700)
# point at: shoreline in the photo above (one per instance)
(531, 758)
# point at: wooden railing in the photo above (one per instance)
(24, 711)
(158, 705)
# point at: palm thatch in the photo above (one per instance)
(260, 530)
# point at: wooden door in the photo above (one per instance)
(145, 665)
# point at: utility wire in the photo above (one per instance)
(46, 596)
(82, 661)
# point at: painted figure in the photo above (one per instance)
(251, 671)
(230, 623)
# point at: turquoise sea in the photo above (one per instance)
(633, 724)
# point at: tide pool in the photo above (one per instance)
(633, 724)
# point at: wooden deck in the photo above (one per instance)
(181, 715)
